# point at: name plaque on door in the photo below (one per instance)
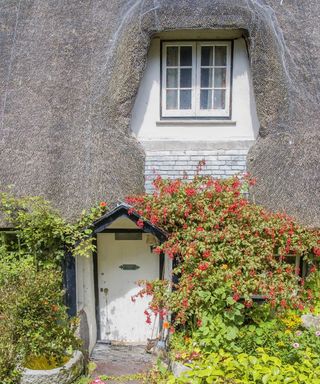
(129, 267)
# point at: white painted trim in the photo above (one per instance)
(178, 112)
(195, 122)
(195, 110)
(214, 112)
(185, 145)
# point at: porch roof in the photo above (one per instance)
(122, 210)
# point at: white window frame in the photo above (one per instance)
(195, 111)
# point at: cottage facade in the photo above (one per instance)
(97, 97)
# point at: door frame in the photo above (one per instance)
(101, 226)
(96, 273)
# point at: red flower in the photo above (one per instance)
(157, 250)
(289, 269)
(236, 184)
(103, 204)
(203, 266)
(283, 303)
(200, 229)
(190, 192)
(218, 188)
(185, 303)
(236, 297)
(140, 223)
(199, 322)
(154, 219)
(148, 320)
(313, 268)
(316, 251)
(206, 254)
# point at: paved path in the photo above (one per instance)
(116, 360)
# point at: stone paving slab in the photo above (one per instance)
(118, 360)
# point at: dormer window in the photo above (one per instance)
(196, 79)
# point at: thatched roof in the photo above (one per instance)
(69, 74)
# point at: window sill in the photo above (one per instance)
(195, 122)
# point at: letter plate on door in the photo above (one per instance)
(129, 267)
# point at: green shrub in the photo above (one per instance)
(32, 314)
(277, 340)
(33, 319)
(223, 367)
(9, 360)
(227, 251)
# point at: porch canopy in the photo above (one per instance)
(125, 210)
(99, 226)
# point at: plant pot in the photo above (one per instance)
(178, 368)
(62, 375)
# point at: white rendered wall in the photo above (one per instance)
(243, 125)
(85, 295)
(173, 147)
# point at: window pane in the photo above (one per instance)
(185, 56)
(220, 77)
(128, 236)
(221, 55)
(172, 99)
(205, 99)
(172, 78)
(172, 56)
(219, 101)
(206, 78)
(185, 77)
(185, 99)
(206, 56)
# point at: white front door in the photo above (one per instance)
(121, 263)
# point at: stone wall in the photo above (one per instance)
(177, 164)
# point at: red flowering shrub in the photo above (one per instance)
(228, 249)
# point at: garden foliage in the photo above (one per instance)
(227, 252)
(33, 319)
(223, 367)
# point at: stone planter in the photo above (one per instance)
(311, 321)
(178, 368)
(62, 375)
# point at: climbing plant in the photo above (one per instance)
(42, 232)
(34, 325)
(227, 251)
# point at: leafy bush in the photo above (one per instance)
(43, 233)
(33, 319)
(33, 316)
(9, 359)
(278, 340)
(31, 303)
(227, 250)
(223, 367)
